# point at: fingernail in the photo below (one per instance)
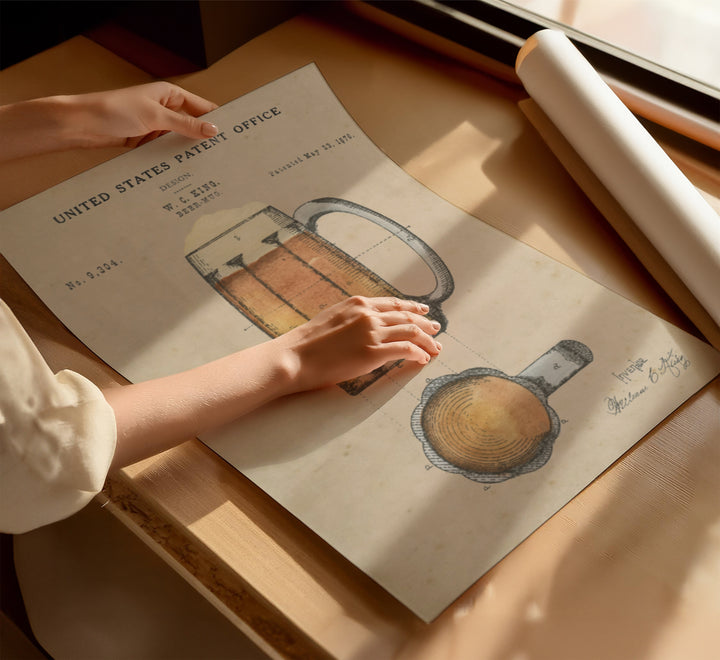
(435, 325)
(423, 307)
(208, 129)
(438, 345)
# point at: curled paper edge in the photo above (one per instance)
(641, 177)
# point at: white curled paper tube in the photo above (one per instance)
(658, 197)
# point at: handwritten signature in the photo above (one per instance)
(616, 405)
(670, 364)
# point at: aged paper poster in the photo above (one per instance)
(180, 252)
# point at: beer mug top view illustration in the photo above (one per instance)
(490, 427)
(279, 272)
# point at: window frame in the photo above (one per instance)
(495, 29)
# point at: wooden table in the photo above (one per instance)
(628, 569)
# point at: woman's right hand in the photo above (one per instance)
(355, 336)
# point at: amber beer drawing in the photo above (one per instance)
(490, 427)
(279, 272)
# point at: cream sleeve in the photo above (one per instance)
(57, 435)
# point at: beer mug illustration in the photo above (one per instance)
(488, 426)
(279, 272)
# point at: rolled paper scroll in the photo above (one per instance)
(630, 164)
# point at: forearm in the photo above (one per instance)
(39, 126)
(158, 414)
(344, 341)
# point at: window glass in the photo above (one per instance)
(679, 35)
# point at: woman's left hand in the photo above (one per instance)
(116, 118)
(134, 115)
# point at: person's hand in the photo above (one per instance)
(358, 335)
(134, 115)
(344, 341)
(123, 117)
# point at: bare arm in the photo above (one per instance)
(123, 117)
(347, 340)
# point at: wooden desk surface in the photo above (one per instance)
(629, 569)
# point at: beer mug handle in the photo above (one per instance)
(309, 213)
